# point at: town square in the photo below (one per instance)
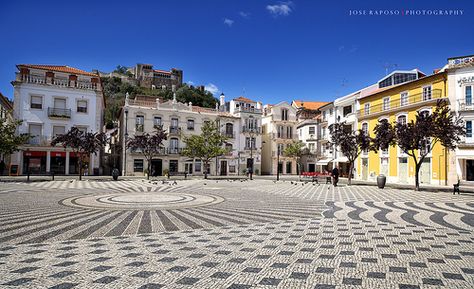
(236, 144)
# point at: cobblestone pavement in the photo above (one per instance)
(232, 234)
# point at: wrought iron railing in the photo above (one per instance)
(59, 112)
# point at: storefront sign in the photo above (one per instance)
(461, 61)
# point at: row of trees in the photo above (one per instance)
(415, 138)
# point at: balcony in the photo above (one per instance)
(249, 109)
(59, 112)
(228, 134)
(247, 148)
(284, 136)
(256, 130)
(464, 105)
(57, 81)
(39, 140)
(174, 130)
(174, 150)
(397, 104)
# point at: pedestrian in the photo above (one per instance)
(2, 167)
(335, 176)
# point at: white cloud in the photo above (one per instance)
(244, 14)
(228, 22)
(212, 88)
(190, 82)
(281, 9)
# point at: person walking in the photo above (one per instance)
(335, 176)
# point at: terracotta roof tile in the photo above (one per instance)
(244, 99)
(58, 68)
(162, 71)
(310, 104)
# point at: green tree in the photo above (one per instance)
(123, 70)
(81, 143)
(206, 146)
(9, 140)
(296, 150)
(149, 145)
(418, 138)
(350, 143)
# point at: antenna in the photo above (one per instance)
(389, 66)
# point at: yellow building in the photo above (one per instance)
(398, 99)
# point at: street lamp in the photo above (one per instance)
(278, 162)
(124, 169)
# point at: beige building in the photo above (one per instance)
(142, 114)
(279, 129)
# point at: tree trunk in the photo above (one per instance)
(80, 167)
(417, 178)
(349, 177)
(205, 170)
(149, 169)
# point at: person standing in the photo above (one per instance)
(335, 176)
(2, 167)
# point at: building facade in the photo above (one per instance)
(155, 78)
(401, 103)
(6, 113)
(460, 72)
(142, 114)
(309, 131)
(328, 152)
(279, 129)
(50, 100)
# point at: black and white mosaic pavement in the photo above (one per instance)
(220, 234)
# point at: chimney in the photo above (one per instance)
(222, 99)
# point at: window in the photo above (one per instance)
(367, 108)
(60, 103)
(173, 166)
(469, 128)
(365, 128)
(284, 114)
(403, 98)
(346, 110)
(57, 130)
(312, 130)
(289, 132)
(280, 131)
(324, 115)
(197, 166)
(229, 130)
(82, 106)
(35, 132)
(426, 93)
(330, 112)
(281, 148)
(174, 125)
(468, 95)
(157, 121)
(139, 123)
(386, 103)
(173, 145)
(250, 142)
(228, 147)
(231, 169)
(311, 147)
(190, 124)
(36, 102)
(402, 119)
(138, 166)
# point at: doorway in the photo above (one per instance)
(425, 171)
(311, 168)
(469, 170)
(403, 170)
(156, 167)
(365, 169)
(223, 168)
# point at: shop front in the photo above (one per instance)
(34, 162)
(58, 163)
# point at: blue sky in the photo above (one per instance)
(265, 50)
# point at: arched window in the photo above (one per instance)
(229, 129)
(402, 119)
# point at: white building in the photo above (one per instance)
(50, 100)
(309, 131)
(279, 129)
(460, 92)
(237, 121)
(328, 153)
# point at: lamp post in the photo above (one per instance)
(278, 162)
(124, 169)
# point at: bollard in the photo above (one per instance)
(52, 176)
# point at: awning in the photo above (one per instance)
(323, 162)
(341, 160)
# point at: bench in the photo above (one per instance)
(176, 174)
(317, 177)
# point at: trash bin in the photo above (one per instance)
(381, 180)
(115, 174)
